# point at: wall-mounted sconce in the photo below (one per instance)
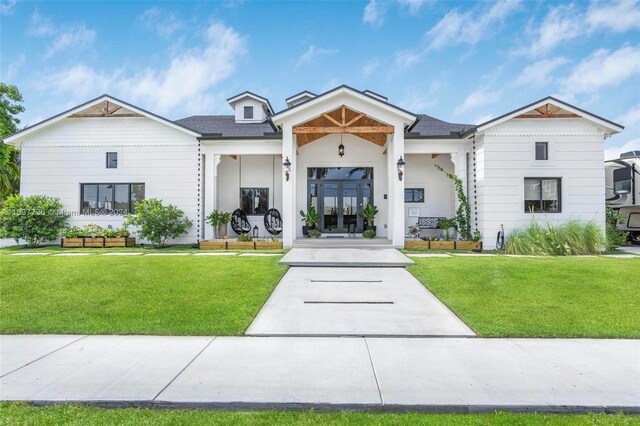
(287, 168)
(341, 150)
(401, 164)
(255, 231)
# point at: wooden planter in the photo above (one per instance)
(119, 242)
(240, 245)
(469, 245)
(416, 244)
(268, 245)
(443, 245)
(72, 242)
(212, 245)
(94, 242)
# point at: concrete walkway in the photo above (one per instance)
(346, 257)
(431, 374)
(354, 302)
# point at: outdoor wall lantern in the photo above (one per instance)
(401, 164)
(255, 231)
(287, 168)
(341, 150)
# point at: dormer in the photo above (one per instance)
(250, 108)
(299, 98)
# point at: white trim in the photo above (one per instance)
(549, 100)
(300, 95)
(57, 118)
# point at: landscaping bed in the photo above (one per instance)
(181, 295)
(239, 245)
(442, 245)
(538, 297)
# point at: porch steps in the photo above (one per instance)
(346, 257)
(374, 243)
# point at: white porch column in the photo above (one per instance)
(210, 190)
(396, 188)
(288, 188)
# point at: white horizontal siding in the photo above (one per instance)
(58, 159)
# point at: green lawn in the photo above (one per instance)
(182, 295)
(538, 297)
(18, 414)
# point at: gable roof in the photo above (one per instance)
(226, 126)
(248, 94)
(427, 126)
(56, 118)
(345, 88)
(615, 127)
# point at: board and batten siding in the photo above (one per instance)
(56, 160)
(505, 156)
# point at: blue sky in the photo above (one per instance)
(458, 61)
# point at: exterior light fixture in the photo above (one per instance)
(255, 231)
(287, 168)
(401, 164)
(341, 150)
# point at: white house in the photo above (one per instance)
(337, 151)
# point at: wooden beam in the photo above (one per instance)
(115, 109)
(344, 115)
(334, 130)
(548, 107)
(354, 120)
(384, 152)
(555, 111)
(98, 109)
(549, 116)
(541, 111)
(102, 115)
(331, 119)
(434, 155)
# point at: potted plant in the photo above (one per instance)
(369, 214)
(219, 221)
(311, 219)
(71, 237)
(475, 244)
(93, 235)
(369, 233)
(118, 237)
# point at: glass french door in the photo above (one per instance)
(340, 204)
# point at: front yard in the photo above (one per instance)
(163, 295)
(538, 297)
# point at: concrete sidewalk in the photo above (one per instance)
(425, 374)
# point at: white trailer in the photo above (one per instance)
(622, 177)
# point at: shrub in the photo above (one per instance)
(218, 218)
(615, 237)
(446, 225)
(369, 233)
(314, 233)
(566, 239)
(156, 222)
(245, 238)
(36, 219)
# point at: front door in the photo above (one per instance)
(339, 195)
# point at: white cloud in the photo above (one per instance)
(604, 69)
(63, 38)
(331, 84)
(613, 152)
(414, 6)
(6, 7)
(471, 26)
(14, 67)
(407, 58)
(313, 53)
(186, 82)
(373, 13)
(567, 22)
(370, 67)
(539, 73)
(419, 100)
(631, 117)
(617, 16)
(164, 23)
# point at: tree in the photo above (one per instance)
(158, 223)
(36, 219)
(10, 107)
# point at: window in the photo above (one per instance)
(542, 150)
(248, 112)
(414, 195)
(542, 195)
(622, 179)
(112, 160)
(254, 201)
(110, 198)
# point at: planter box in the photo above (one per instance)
(72, 242)
(94, 242)
(416, 245)
(468, 245)
(119, 242)
(212, 245)
(240, 245)
(443, 245)
(268, 245)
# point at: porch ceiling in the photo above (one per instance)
(342, 120)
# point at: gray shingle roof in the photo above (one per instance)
(430, 126)
(224, 125)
